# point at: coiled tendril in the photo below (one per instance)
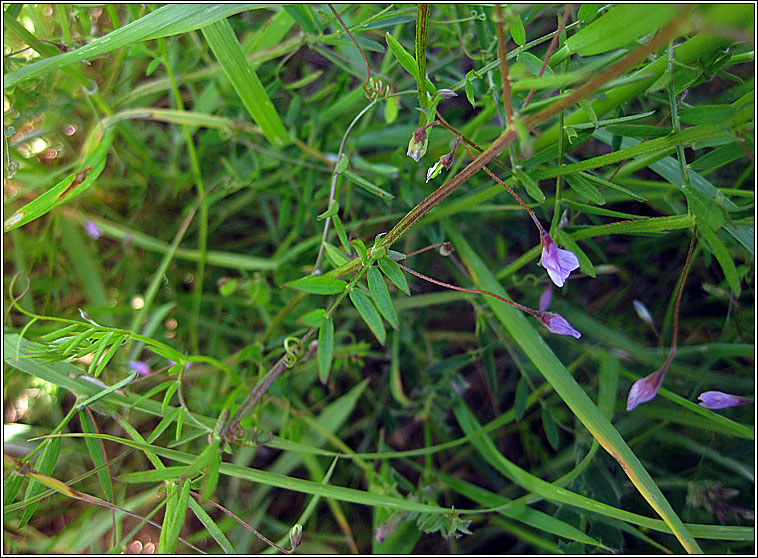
(376, 88)
(292, 348)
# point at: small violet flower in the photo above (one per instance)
(644, 389)
(545, 298)
(557, 324)
(142, 368)
(418, 144)
(92, 230)
(719, 400)
(558, 263)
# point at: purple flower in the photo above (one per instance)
(92, 230)
(558, 263)
(142, 368)
(719, 400)
(557, 324)
(545, 298)
(644, 389)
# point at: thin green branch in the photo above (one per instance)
(502, 53)
(421, 37)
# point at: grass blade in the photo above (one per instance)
(97, 453)
(68, 188)
(167, 20)
(214, 530)
(227, 49)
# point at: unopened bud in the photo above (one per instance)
(418, 144)
(434, 170)
(445, 162)
(296, 535)
(446, 93)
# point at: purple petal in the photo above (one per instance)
(720, 400)
(559, 263)
(545, 298)
(92, 230)
(557, 324)
(644, 389)
(142, 368)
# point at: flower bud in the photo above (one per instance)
(434, 170)
(418, 144)
(645, 389)
(296, 535)
(720, 400)
(93, 230)
(557, 324)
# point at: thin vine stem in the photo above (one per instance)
(245, 525)
(680, 290)
(549, 53)
(502, 53)
(202, 236)
(515, 196)
(462, 289)
(365, 60)
(335, 176)
(421, 27)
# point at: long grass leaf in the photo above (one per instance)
(68, 188)
(227, 49)
(172, 19)
(96, 453)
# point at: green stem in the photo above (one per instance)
(502, 53)
(675, 117)
(421, 26)
(335, 175)
(561, 148)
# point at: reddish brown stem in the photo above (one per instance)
(472, 291)
(515, 196)
(502, 52)
(368, 70)
(550, 50)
